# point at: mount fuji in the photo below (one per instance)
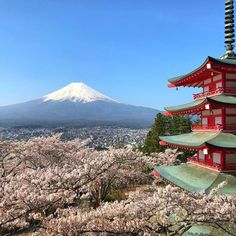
(77, 92)
(75, 104)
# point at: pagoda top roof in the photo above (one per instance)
(198, 179)
(197, 104)
(227, 61)
(197, 140)
(211, 64)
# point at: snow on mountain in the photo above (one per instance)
(77, 104)
(77, 92)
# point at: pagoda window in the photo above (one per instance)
(206, 113)
(219, 85)
(216, 158)
(207, 81)
(218, 120)
(216, 112)
(206, 89)
(217, 77)
(205, 121)
(201, 156)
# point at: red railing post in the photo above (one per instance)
(207, 127)
(208, 93)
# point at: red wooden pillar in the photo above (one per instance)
(223, 108)
(224, 81)
(222, 160)
(223, 117)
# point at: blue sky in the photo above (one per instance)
(126, 49)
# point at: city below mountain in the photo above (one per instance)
(76, 105)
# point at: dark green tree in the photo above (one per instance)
(165, 125)
(151, 143)
(180, 125)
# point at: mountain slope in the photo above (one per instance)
(77, 92)
(75, 103)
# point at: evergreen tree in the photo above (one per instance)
(180, 125)
(165, 125)
(152, 140)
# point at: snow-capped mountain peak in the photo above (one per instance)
(77, 92)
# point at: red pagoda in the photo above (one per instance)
(213, 140)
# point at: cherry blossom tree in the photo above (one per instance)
(62, 188)
(151, 212)
(43, 174)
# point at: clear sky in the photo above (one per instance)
(126, 49)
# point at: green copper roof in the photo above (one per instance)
(231, 100)
(201, 139)
(190, 105)
(206, 230)
(177, 78)
(224, 61)
(197, 179)
(224, 140)
(219, 61)
(223, 99)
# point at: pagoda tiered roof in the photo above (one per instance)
(213, 140)
(198, 105)
(222, 99)
(188, 108)
(199, 140)
(197, 179)
(211, 66)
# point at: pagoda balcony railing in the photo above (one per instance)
(215, 166)
(200, 127)
(196, 160)
(208, 93)
(214, 92)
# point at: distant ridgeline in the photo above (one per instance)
(76, 105)
(74, 124)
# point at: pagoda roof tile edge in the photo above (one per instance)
(208, 59)
(201, 139)
(197, 179)
(186, 106)
(223, 99)
(178, 78)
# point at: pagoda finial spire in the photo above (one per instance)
(229, 30)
